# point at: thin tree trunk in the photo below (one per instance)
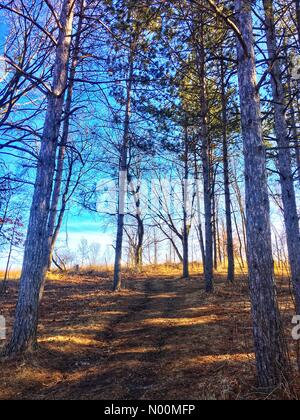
(242, 211)
(176, 250)
(297, 4)
(230, 248)
(138, 252)
(123, 177)
(295, 138)
(270, 348)
(185, 236)
(37, 245)
(209, 264)
(52, 231)
(155, 248)
(139, 247)
(200, 231)
(284, 154)
(239, 238)
(4, 284)
(214, 221)
(218, 233)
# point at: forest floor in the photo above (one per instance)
(162, 338)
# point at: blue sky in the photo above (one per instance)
(3, 30)
(78, 224)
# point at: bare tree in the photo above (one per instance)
(37, 245)
(284, 152)
(270, 348)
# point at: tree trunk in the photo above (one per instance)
(155, 243)
(53, 231)
(200, 231)
(139, 247)
(209, 264)
(185, 236)
(6, 273)
(229, 235)
(123, 178)
(297, 4)
(138, 251)
(242, 263)
(284, 154)
(37, 245)
(270, 348)
(241, 209)
(119, 242)
(295, 137)
(214, 222)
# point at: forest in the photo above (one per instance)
(149, 200)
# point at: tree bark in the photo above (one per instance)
(117, 285)
(229, 235)
(186, 228)
(295, 137)
(209, 263)
(139, 247)
(270, 348)
(284, 154)
(35, 262)
(52, 230)
(297, 4)
(200, 231)
(214, 222)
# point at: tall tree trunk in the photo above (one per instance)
(140, 239)
(229, 235)
(297, 4)
(123, 176)
(293, 112)
(37, 245)
(208, 266)
(295, 137)
(270, 348)
(139, 247)
(138, 252)
(200, 231)
(209, 263)
(214, 222)
(53, 231)
(185, 236)
(284, 154)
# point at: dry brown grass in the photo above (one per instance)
(161, 338)
(13, 275)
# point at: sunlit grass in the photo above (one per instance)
(12, 275)
(81, 341)
(281, 270)
(183, 322)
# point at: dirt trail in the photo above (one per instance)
(164, 338)
(137, 338)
